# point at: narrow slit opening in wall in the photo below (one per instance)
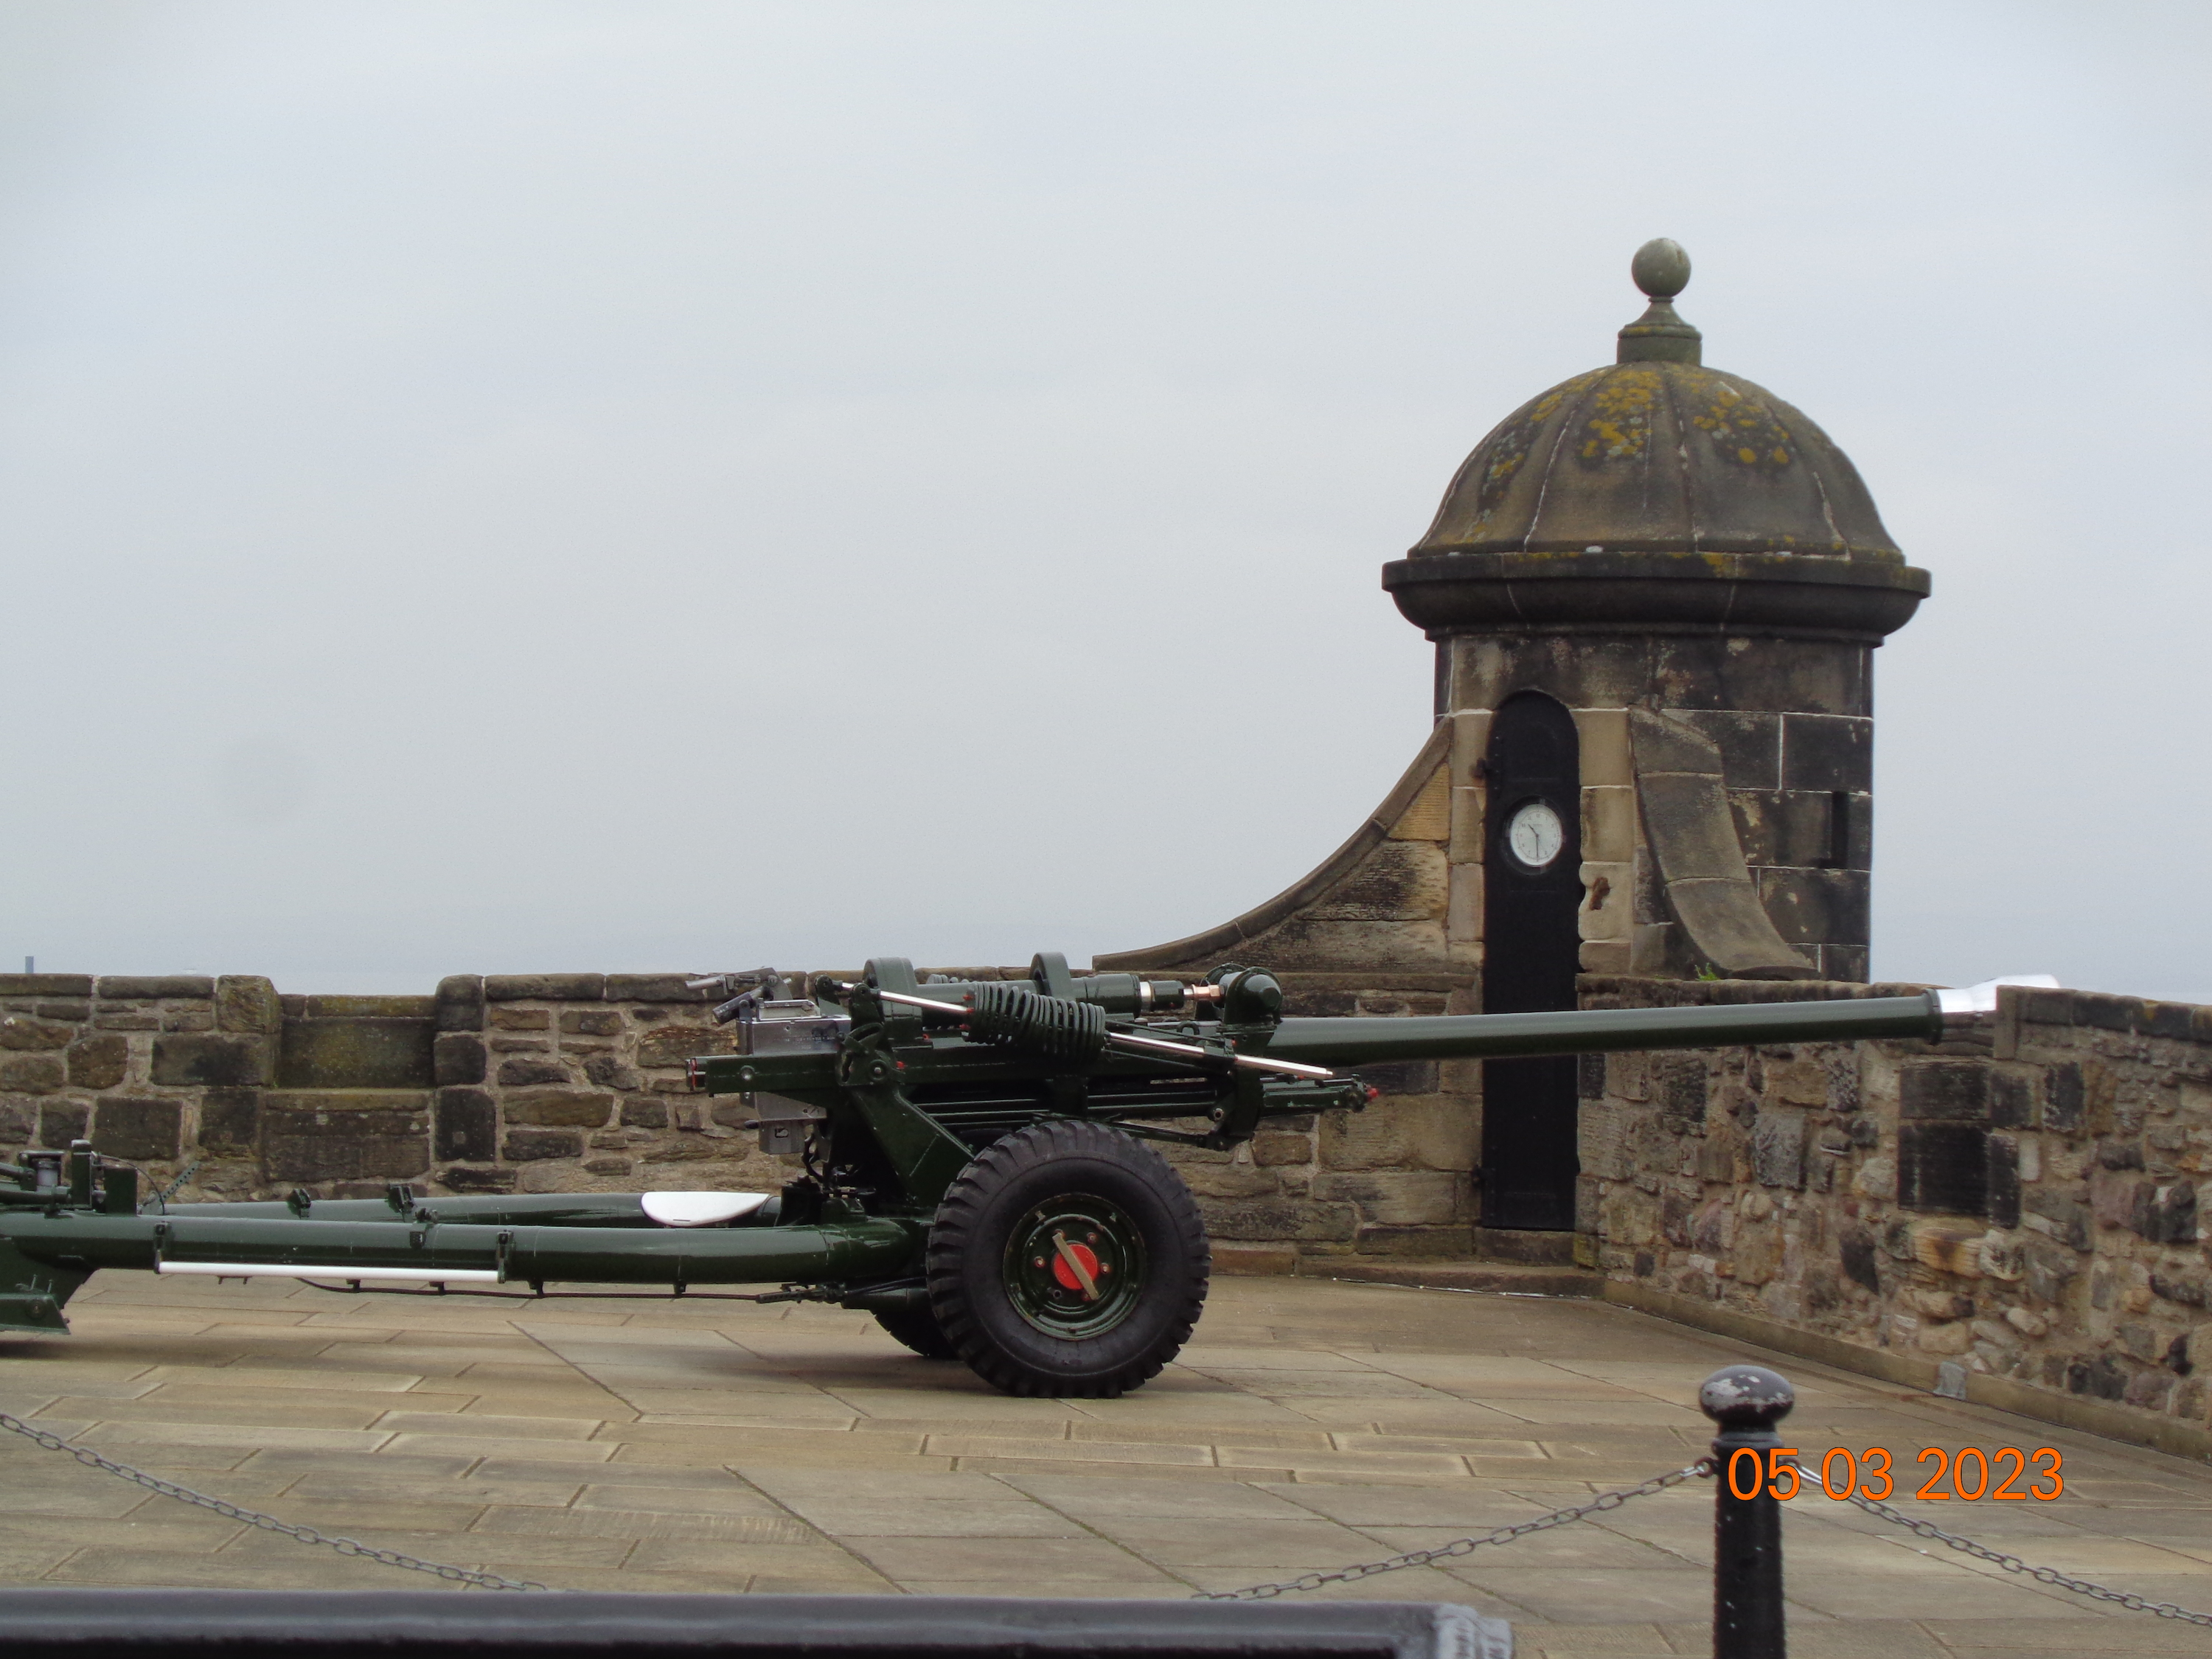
(1839, 830)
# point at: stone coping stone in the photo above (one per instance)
(46, 985)
(154, 988)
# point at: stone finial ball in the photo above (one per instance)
(1746, 1397)
(1660, 268)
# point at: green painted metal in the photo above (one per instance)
(1056, 1246)
(899, 1082)
(1596, 1030)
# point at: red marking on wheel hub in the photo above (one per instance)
(1066, 1274)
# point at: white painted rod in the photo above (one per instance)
(269, 1270)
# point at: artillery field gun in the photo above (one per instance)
(975, 1170)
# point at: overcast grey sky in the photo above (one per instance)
(488, 487)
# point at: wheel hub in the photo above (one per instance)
(1075, 1266)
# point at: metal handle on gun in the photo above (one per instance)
(1150, 1045)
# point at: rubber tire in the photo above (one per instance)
(919, 1331)
(966, 1261)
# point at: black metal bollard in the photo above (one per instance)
(1746, 1401)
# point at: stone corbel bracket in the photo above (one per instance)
(1692, 837)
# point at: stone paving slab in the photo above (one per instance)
(601, 1443)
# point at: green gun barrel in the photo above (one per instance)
(1357, 1042)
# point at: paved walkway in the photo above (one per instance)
(717, 1446)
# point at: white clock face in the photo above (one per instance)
(1536, 835)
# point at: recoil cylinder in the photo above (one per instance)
(1055, 1027)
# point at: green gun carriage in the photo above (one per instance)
(975, 1170)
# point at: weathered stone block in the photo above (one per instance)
(1956, 1091)
(671, 1045)
(1949, 1247)
(592, 1022)
(2173, 1215)
(460, 1003)
(1943, 1167)
(533, 1145)
(2117, 1198)
(1275, 1151)
(61, 1121)
(692, 1148)
(1231, 1180)
(1454, 1240)
(352, 1052)
(651, 987)
(610, 1073)
(457, 1057)
(2065, 1097)
(1827, 751)
(146, 988)
(1270, 1219)
(576, 1106)
(1813, 906)
(18, 1121)
(522, 1073)
(546, 988)
(2015, 1100)
(1855, 1249)
(2066, 1219)
(210, 1060)
(467, 1125)
(520, 1020)
(460, 1180)
(21, 1034)
(645, 1114)
(46, 985)
(31, 1074)
(1777, 1148)
(246, 1003)
(98, 1061)
(366, 1135)
(139, 1131)
(230, 1123)
(1394, 1197)
(2003, 1205)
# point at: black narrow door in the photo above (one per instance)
(1532, 888)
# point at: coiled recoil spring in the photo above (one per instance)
(1053, 1026)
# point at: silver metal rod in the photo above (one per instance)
(960, 1008)
(1250, 1062)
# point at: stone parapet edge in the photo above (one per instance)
(2164, 1434)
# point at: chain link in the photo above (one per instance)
(1598, 1505)
(91, 1459)
(2014, 1564)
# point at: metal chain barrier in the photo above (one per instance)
(253, 1518)
(1604, 1501)
(2014, 1564)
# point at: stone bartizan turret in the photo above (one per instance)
(1655, 592)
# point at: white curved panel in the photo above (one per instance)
(700, 1209)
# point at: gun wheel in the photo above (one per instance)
(920, 1331)
(1067, 1260)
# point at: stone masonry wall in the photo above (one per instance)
(575, 1082)
(2021, 1205)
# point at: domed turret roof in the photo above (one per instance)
(1642, 472)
